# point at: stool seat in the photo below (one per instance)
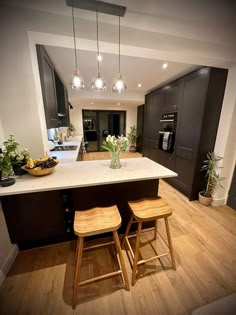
(150, 209)
(96, 221)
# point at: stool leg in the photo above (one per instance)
(118, 249)
(136, 254)
(155, 231)
(77, 270)
(127, 230)
(170, 243)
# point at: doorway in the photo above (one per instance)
(98, 124)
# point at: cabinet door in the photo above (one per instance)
(155, 115)
(46, 70)
(167, 160)
(173, 96)
(189, 126)
(147, 116)
(153, 150)
(146, 147)
(139, 128)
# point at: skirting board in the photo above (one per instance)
(219, 202)
(8, 263)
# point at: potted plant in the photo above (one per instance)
(17, 157)
(71, 129)
(132, 137)
(213, 179)
(5, 170)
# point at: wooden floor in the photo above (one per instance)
(204, 240)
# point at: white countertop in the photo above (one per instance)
(88, 173)
(68, 156)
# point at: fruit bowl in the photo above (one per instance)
(39, 170)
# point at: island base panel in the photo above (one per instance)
(43, 218)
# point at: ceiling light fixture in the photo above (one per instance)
(139, 85)
(118, 104)
(98, 83)
(119, 84)
(165, 65)
(99, 57)
(77, 81)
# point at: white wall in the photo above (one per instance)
(76, 114)
(8, 251)
(225, 145)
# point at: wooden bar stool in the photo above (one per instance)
(93, 222)
(142, 211)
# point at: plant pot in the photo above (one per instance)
(7, 182)
(203, 200)
(17, 168)
(132, 148)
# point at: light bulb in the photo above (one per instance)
(165, 65)
(119, 85)
(77, 81)
(99, 84)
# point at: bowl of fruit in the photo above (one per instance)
(40, 167)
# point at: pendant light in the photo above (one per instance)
(98, 83)
(119, 84)
(77, 81)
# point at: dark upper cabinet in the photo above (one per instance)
(55, 95)
(62, 102)
(173, 96)
(46, 71)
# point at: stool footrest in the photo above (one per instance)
(98, 245)
(143, 261)
(107, 275)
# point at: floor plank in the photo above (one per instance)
(204, 239)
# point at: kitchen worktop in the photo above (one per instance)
(88, 173)
(68, 156)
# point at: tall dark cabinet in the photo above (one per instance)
(197, 98)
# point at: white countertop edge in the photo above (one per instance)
(83, 185)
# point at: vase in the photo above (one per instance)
(17, 168)
(115, 160)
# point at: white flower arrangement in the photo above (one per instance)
(114, 144)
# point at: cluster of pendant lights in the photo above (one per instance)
(98, 84)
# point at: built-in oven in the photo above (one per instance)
(167, 132)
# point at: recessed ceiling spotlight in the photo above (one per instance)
(91, 103)
(165, 65)
(139, 85)
(99, 57)
(118, 104)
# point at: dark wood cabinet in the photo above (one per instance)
(55, 95)
(173, 96)
(46, 71)
(197, 98)
(139, 142)
(62, 102)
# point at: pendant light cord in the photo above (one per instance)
(73, 19)
(97, 42)
(119, 44)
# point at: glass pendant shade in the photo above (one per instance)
(77, 81)
(119, 84)
(99, 84)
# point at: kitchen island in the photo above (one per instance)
(40, 210)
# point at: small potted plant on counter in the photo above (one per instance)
(5, 170)
(71, 130)
(213, 179)
(132, 137)
(17, 157)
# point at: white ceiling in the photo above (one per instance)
(148, 72)
(186, 31)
